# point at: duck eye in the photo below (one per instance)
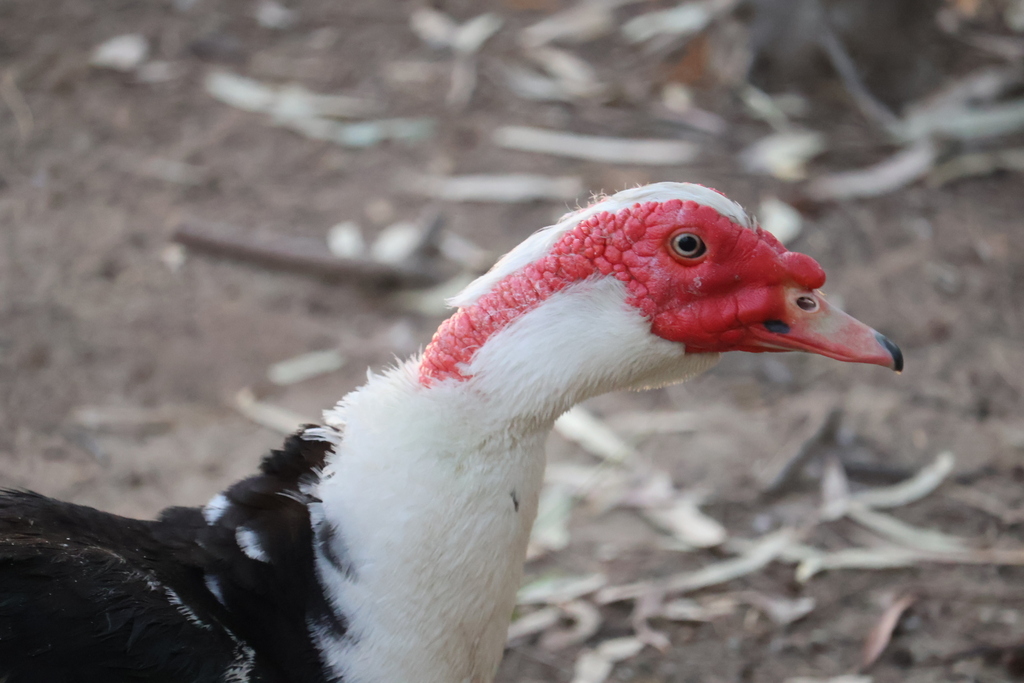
(688, 245)
(807, 303)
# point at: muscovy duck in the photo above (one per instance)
(387, 545)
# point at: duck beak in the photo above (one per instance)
(811, 324)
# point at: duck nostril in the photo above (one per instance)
(807, 303)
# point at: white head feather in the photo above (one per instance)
(540, 243)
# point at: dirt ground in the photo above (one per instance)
(93, 315)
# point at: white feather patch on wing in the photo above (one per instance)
(185, 610)
(215, 509)
(249, 543)
(540, 243)
(329, 435)
(213, 585)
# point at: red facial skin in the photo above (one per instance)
(716, 302)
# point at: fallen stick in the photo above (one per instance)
(844, 65)
(301, 255)
(785, 479)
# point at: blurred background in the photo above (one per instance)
(216, 214)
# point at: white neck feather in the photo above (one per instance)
(433, 490)
(581, 342)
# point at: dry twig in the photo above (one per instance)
(301, 255)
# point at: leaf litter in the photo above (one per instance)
(654, 496)
(511, 188)
(652, 152)
(313, 114)
(881, 634)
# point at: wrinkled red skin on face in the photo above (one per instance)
(706, 303)
(742, 281)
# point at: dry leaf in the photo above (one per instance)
(397, 242)
(574, 76)
(977, 87)
(173, 256)
(654, 490)
(306, 366)
(603, 486)
(781, 611)
(763, 106)
(581, 478)
(756, 555)
(312, 114)
(272, 417)
(784, 155)
(987, 504)
(274, 15)
(557, 590)
(685, 19)
(463, 83)
(759, 555)
(684, 609)
(646, 423)
(906, 535)
(835, 490)
(619, 649)
(879, 637)
(586, 622)
(345, 240)
(286, 102)
(977, 164)
(854, 558)
(651, 152)
(464, 252)
(550, 531)
(591, 667)
(647, 607)
(362, 133)
(677, 106)
(1013, 15)
(913, 489)
(966, 124)
(472, 35)
(534, 622)
(684, 520)
(432, 301)
(168, 170)
(433, 27)
(780, 219)
(582, 427)
(897, 171)
(130, 420)
(121, 53)
(583, 22)
(438, 30)
(531, 85)
(506, 188)
(594, 666)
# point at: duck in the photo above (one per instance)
(387, 544)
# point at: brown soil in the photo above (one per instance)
(91, 315)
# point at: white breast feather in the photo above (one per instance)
(421, 488)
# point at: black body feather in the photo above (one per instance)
(89, 596)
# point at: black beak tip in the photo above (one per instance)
(894, 351)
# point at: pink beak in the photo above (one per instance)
(814, 326)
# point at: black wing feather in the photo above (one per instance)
(89, 596)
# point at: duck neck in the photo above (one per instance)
(583, 341)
